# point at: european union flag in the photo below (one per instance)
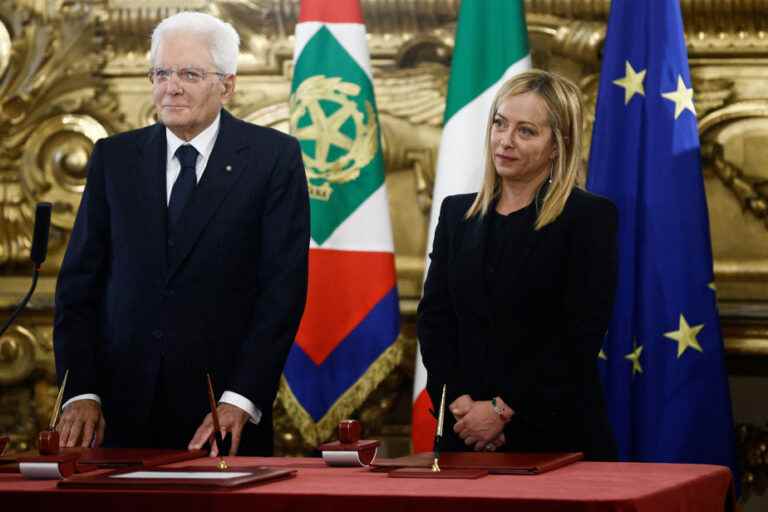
(664, 373)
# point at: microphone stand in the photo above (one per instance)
(37, 254)
(24, 301)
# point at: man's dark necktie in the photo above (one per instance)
(185, 184)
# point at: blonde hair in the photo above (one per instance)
(562, 99)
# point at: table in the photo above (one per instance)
(583, 486)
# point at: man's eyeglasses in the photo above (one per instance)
(188, 75)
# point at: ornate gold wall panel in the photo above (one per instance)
(74, 71)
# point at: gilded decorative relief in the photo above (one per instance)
(53, 107)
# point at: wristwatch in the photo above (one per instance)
(499, 409)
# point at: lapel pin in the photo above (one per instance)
(228, 168)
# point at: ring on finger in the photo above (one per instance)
(470, 441)
(490, 447)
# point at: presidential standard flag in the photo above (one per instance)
(664, 374)
(346, 341)
(491, 46)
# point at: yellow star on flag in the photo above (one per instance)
(634, 356)
(632, 82)
(685, 336)
(712, 286)
(682, 97)
(602, 355)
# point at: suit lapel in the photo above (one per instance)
(224, 168)
(152, 182)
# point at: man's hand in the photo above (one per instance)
(81, 424)
(461, 406)
(480, 426)
(232, 419)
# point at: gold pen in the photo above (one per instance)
(48, 440)
(439, 433)
(222, 465)
(57, 404)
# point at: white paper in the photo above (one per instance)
(191, 475)
(40, 470)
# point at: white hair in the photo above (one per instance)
(221, 37)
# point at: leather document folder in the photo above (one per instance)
(89, 459)
(195, 477)
(93, 458)
(495, 463)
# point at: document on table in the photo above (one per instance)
(216, 475)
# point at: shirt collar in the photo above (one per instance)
(203, 142)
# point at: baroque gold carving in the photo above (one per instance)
(24, 349)
(752, 193)
(27, 389)
(710, 94)
(52, 109)
(17, 355)
(752, 442)
(576, 39)
(54, 163)
(416, 95)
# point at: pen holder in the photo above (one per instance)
(349, 450)
(48, 442)
(49, 467)
(349, 431)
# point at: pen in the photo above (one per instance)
(57, 404)
(216, 426)
(439, 433)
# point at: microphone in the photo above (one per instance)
(40, 236)
(37, 254)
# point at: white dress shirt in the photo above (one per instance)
(203, 143)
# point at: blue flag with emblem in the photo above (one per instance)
(664, 372)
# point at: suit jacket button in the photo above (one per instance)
(157, 334)
(171, 243)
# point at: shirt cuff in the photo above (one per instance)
(86, 396)
(239, 401)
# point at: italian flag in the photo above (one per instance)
(491, 46)
(346, 341)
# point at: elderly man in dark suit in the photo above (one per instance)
(188, 256)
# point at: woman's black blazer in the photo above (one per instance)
(537, 349)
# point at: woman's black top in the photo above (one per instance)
(506, 236)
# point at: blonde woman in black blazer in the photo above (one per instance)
(520, 288)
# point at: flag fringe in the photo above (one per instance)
(315, 433)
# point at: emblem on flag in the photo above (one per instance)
(326, 115)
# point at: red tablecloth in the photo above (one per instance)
(584, 486)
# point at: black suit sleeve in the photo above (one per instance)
(81, 285)
(588, 294)
(591, 284)
(437, 324)
(281, 280)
